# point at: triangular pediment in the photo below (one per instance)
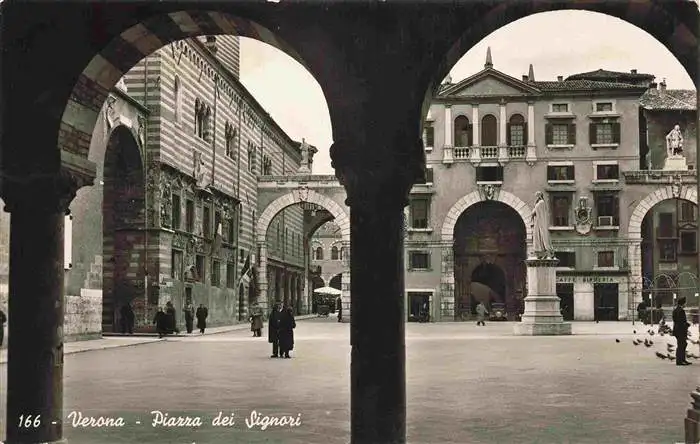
(489, 82)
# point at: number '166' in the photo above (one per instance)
(29, 421)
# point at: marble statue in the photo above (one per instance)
(539, 221)
(304, 153)
(674, 142)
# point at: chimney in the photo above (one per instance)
(662, 85)
(211, 43)
(525, 78)
(634, 71)
(560, 78)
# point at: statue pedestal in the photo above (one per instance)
(542, 316)
(675, 163)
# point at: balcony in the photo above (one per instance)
(478, 154)
(659, 177)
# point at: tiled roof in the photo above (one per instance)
(581, 85)
(671, 99)
(604, 74)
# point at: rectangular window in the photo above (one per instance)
(561, 208)
(206, 222)
(688, 211)
(560, 107)
(176, 264)
(667, 250)
(489, 174)
(215, 273)
(428, 175)
(601, 107)
(606, 259)
(557, 172)
(517, 135)
(566, 259)
(560, 134)
(189, 216)
(429, 136)
(666, 225)
(230, 275)
(607, 209)
(689, 242)
(419, 213)
(419, 260)
(176, 212)
(199, 266)
(607, 172)
(604, 133)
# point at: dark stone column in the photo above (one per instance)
(35, 342)
(377, 193)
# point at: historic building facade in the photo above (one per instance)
(328, 253)
(179, 149)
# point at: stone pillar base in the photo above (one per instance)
(542, 315)
(675, 163)
(692, 421)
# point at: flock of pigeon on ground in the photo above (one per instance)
(664, 331)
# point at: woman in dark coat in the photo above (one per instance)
(256, 320)
(286, 331)
(202, 313)
(161, 322)
(189, 317)
(171, 325)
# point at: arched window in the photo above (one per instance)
(517, 135)
(318, 255)
(462, 132)
(489, 131)
(197, 117)
(334, 253)
(177, 99)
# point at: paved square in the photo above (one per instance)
(465, 384)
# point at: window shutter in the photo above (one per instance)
(616, 209)
(508, 138)
(550, 172)
(591, 133)
(427, 262)
(572, 134)
(616, 132)
(429, 175)
(548, 134)
(470, 135)
(572, 172)
(526, 140)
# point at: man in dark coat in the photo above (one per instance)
(3, 319)
(161, 322)
(642, 311)
(680, 331)
(127, 318)
(171, 318)
(189, 317)
(202, 313)
(273, 329)
(256, 320)
(286, 331)
(339, 307)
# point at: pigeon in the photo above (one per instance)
(660, 355)
(651, 332)
(634, 331)
(636, 342)
(670, 356)
(669, 347)
(617, 340)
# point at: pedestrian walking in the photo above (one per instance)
(286, 331)
(3, 319)
(171, 325)
(339, 307)
(202, 313)
(680, 331)
(481, 314)
(189, 317)
(127, 318)
(256, 320)
(160, 321)
(273, 329)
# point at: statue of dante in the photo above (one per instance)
(674, 141)
(539, 221)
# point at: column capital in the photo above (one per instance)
(379, 179)
(42, 192)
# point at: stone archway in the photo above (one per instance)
(342, 219)
(634, 231)
(447, 279)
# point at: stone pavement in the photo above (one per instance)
(465, 384)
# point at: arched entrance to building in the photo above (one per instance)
(335, 281)
(123, 220)
(489, 254)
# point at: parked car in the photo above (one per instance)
(498, 312)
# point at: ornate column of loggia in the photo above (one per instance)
(377, 190)
(38, 204)
(345, 283)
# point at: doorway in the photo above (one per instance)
(419, 307)
(566, 294)
(605, 298)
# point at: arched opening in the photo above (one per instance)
(123, 237)
(334, 253)
(335, 281)
(489, 253)
(670, 253)
(318, 253)
(489, 130)
(462, 131)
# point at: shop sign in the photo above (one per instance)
(586, 279)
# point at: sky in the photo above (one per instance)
(295, 100)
